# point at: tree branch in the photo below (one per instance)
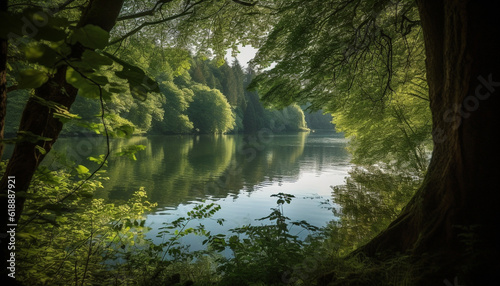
(12, 88)
(55, 9)
(137, 29)
(149, 12)
(245, 3)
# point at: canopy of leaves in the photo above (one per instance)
(210, 112)
(363, 61)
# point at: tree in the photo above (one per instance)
(210, 112)
(250, 119)
(447, 227)
(66, 50)
(323, 55)
(175, 104)
(239, 78)
(318, 119)
(458, 196)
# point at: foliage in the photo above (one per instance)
(368, 202)
(170, 256)
(165, 112)
(397, 134)
(176, 102)
(270, 254)
(210, 112)
(318, 119)
(354, 61)
(262, 254)
(290, 118)
(71, 237)
(15, 105)
(68, 237)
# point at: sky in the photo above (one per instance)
(246, 54)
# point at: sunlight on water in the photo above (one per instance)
(310, 183)
(240, 173)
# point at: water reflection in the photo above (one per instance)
(179, 170)
(370, 200)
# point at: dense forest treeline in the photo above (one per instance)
(197, 95)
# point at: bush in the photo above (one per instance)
(68, 237)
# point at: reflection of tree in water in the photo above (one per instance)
(176, 169)
(170, 166)
(189, 162)
(369, 201)
(257, 161)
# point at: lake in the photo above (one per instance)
(238, 172)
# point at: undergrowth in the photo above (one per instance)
(69, 237)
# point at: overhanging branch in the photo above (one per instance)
(137, 29)
(245, 3)
(187, 10)
(149, 12)
(55, 9)
(12, 88)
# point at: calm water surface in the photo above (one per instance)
(238, 172)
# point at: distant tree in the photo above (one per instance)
(197, 74)
(240, 79)
(229, 84)
(250, 120)
(175, 102)
(210, 112)
(319, 120)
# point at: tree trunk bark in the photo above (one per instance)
(39, 120)
(450, 226)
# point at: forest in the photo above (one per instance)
(360, 137)
(195, 96)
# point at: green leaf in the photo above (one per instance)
(82, 170)
(124, 130)
(41, 149)
(94, 92)
(116, 90)
(88, 87)
(98, 160)
(95, 58)
(139, 83)
(99, 79)
(91, 61)
(64, 115)
(90, 36)
(32, 78)
(41, 26)
(138, 92)
(32, 23)
(76, 79)
(41, 54)
(49, 34)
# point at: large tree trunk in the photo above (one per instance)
(451, 224)
(39, 119)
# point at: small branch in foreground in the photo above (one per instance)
(245, 3)
(12, 88)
